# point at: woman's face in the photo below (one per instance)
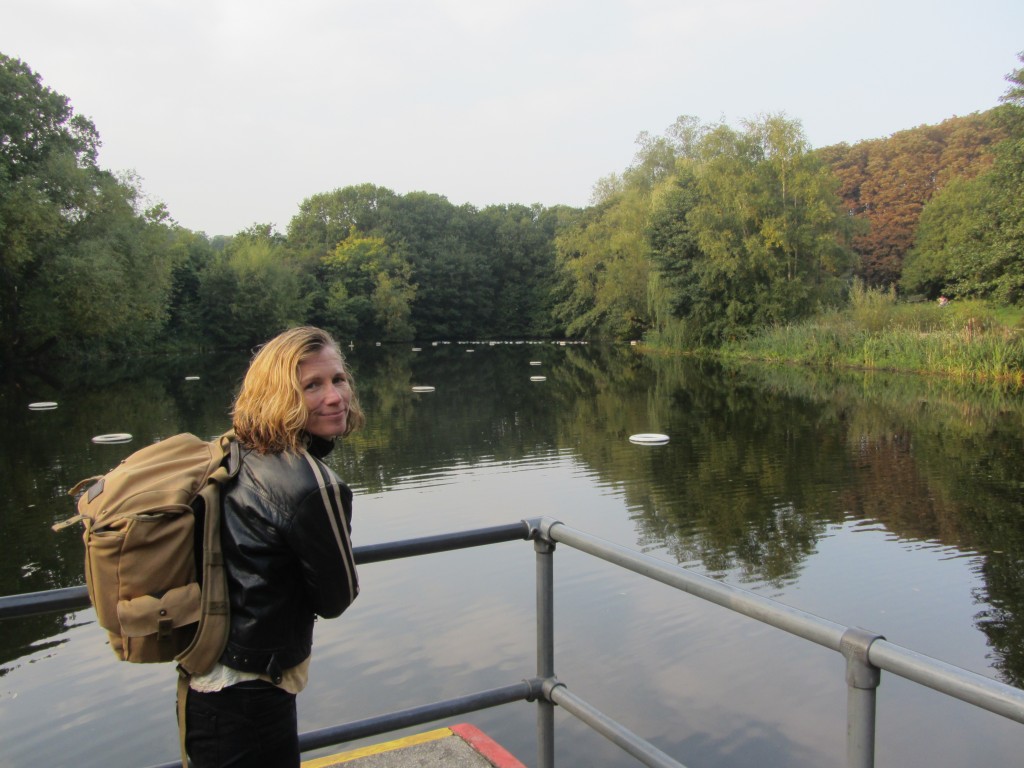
(326, 393)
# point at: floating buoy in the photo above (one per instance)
(45, 405)
(422, 389)
(538, 378)
(114, 437)
(191, 378)
(647, 438)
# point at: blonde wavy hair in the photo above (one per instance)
(269, 413)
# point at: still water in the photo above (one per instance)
(892, 503)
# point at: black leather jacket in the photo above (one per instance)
(285, 534)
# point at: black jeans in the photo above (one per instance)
(249, 724)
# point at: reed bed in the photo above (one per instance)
(877, 332)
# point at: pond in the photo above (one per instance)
(887, 502)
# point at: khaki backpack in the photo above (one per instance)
(153, 562)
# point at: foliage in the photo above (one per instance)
(769, 224)
(886, 183)
(70, 234)
(676, 290)
(961, 339)
(971, 236)
(710, 234)
(368, 288)
(604, 265)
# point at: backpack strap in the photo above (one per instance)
(183, 677)
(212, 634)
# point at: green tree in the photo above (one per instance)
(951, 231)
(768, 226)
(604, 258)
(252, 291)
(47, 169)
(83, 267)
(453, 279)
(517, 242)
(684, 305)
(369, 289)
(604, 267)
(326, 219)
(392, 298)
(194, 254)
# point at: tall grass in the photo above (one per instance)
(878, 332)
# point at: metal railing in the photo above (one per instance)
(867, 653)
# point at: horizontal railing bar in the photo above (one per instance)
(47, 601)
(393, 721)
(75, 598)
(988, 694)
(405, 718)
(615, 732)
(792, 620)
(959, 683)
(391, 550)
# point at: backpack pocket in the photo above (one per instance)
(159, 628)
(102, 554)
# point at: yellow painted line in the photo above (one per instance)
(376, 749)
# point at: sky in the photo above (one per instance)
(233, 112)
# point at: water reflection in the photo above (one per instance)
(760, 463)
(778, 479)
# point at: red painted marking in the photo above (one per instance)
(498, 756)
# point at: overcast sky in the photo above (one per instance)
(232, 112)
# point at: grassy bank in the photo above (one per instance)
(877, 332)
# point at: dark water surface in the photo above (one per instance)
(893, 503)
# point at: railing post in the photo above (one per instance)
(862, 681)
(545, 549)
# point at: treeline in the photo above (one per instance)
(85, 267)
(711, 232)
(715, 232)
(368, 263)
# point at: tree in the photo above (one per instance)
(369, 289)
(951, 231)
(252, 291)
(886, 183)
(604, 259)
(83, 268)
(326, 219)
(193, 255)
(768, 226)
(518, 243)
(971, 237)
(47, 169)
(683, 304)
(604, 265)
(454, 281)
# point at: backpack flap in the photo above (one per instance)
(154, 628)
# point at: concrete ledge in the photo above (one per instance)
(459, 746)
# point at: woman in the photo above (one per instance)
(288, 557)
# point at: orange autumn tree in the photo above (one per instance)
(887, 182)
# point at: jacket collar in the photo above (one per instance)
(318, 446)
